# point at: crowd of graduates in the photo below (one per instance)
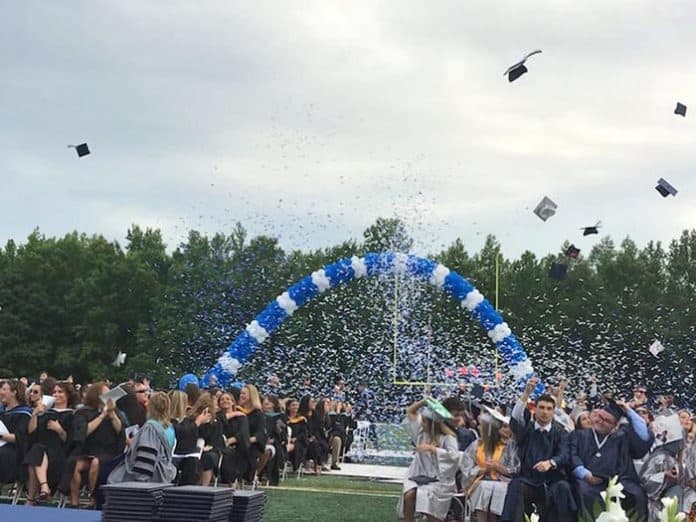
(549, 455)
(58, 438)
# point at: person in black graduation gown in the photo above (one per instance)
(187, 435)
(544, 454)
(602, 452)
(97, 438)
(16, 419)
(48, 439)
(275, 453)
(213, 441)
(250, 404)
(299, 434)
(235, 432)
(318, 440)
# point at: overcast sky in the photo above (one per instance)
(308, 120)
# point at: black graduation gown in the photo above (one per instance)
(277, 433)
(235, 457)
(211, 433)
(318, 450)
(47, 442)
(299, 431)
(103, 443)
(257, 428)
(534, 446)
(16, 421)
(613, 459)
(186, 434)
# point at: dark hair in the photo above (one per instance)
(545, 397)
(453, 404)
(70, 393)
(275, 402)
(192, 391)
(48, 385)
(304, 406)
(321, 414)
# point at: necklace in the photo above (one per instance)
(599, 445)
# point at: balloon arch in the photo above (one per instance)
(347, 269)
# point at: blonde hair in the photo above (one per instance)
(179, 404)
(158, 408)
(254, 397)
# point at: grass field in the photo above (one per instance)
(336, 499)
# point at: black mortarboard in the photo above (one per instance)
(515, 71)
(558, 271)
(82, 149)
(680, 109)
(587, 231)
(614, 409)
(665, 189)
(572, 251)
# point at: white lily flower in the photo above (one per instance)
(614, 514)
(670, 511)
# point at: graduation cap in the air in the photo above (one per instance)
(515, 71)
(594, 229)
(665, 188)
(545, 209)
(82, 149)
(680, 109)
(572, 251)
(558, 271)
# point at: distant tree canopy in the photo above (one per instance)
(70, 304)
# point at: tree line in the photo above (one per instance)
(70, 304)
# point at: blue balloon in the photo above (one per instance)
(187, 379)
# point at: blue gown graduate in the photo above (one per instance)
(605, 451)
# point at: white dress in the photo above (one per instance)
(433, 499)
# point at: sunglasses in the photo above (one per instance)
(34, 392)
(144, 391)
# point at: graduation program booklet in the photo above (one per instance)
(114, 394)
(3, 429)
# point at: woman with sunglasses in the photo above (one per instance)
(48, 437)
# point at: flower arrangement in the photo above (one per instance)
(612, 511)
